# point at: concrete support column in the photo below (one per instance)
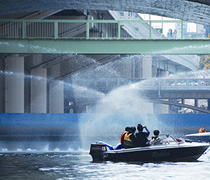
(56, 97)
(56, 90)
(39, 90)
(147, 73)
(196, 102)
(27, 90)
(2, 85)
(136, 68)
(147, 66)
(208, 107)
(182, 101)
(14, 84)
(161, 108)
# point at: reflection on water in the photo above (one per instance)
(79, 165)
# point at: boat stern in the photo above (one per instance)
(98, 152)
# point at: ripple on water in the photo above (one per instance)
(61, 166)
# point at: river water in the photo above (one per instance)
(32, 165)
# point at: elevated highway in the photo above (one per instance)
(164, 88)
(160, 91)
(177, 88)
(78, 39)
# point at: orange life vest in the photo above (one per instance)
(202, 130)
(122, 137)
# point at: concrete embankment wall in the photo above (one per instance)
(63, 129)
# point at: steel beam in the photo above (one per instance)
(182, 105)
(104, 46)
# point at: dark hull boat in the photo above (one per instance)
(170, 151)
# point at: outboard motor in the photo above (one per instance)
(97, 151)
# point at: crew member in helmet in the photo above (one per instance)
(141, 137)
(129, 138)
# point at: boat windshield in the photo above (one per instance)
(164, 139)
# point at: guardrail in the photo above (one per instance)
(88, 29)
(106, 84)
(178, 84)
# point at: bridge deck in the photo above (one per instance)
(87, 37)
(104, 46)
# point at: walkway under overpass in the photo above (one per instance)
(57, 39)
(125, 26)
(49, 37)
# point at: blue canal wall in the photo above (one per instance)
(48, 125)
(185, 120)
(39, 131)
(64, 129)
(63, 123)
(28, 120)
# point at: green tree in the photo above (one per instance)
(204, 62)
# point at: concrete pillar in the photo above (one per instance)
(196, 102)
(154, 71)
(182, 100)
(208, 106)
(39, 90)
(136, 68)
(56, 97)
(147, 73)
(14, 84)
(56, 90)
(2, 85)
(147, 66)
(27, 90)
(161, 108)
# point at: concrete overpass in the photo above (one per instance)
(160, 91)
(197, 11)
(37, 60)
(187, 88)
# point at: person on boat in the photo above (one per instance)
(129, 138)
(142, 137)
(202, 129)
(123, 134)
(155, 140)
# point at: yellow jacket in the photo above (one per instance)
(201, 130)
(127, 139)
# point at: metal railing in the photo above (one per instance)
(89, 29)
(151, 84)
(190, 84)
